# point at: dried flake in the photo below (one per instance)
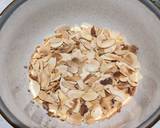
(90, 95)
(110, 49)
(102, 93)
(86, 25)
(63, 88)
(97, 87)
(131, 48)
(106, 43)
(36, 65)
(110, 57)
(67, 84)
(117, 74)
(63, 69)
(52, 108)
(117, 92)
(106, 102)
(44, 79)
(82, 74)
(90, 55)
(52, 62)
(76, 53)
(83, 109)
(97, 112)
(62, 96)
(75, 118)
(62, 29)
(73, 68)
(66, 56)
(122, 85)
(56, 42)
(106, 81)
(43, 50)
(92, 66)
(67, 48)
(76, 29)
(105, 67)
(62, 112)
(86, 36)
(75, 93)
(45, 105)
(81, 84)
(55, 76)
(93, 32)
(101, 37)
(34, 87)
(77, 106)
(33, 75)
(73, 78)
(130, 59)
(86, 44)
(46, 97)
(65, 35)
(90, 119)
(115, 108)
(131, 90)
(36, 56)
(57, 56)
(135, 76)
(70, 103)
(90, 79)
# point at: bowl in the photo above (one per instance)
(22, 28)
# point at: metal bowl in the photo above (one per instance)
(35, 19)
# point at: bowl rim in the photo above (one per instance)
(13, 121)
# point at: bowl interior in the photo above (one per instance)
(34, 20)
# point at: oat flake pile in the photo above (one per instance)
(83, 74)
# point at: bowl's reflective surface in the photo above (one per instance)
(36, 19)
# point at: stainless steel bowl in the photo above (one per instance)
(22, 28)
